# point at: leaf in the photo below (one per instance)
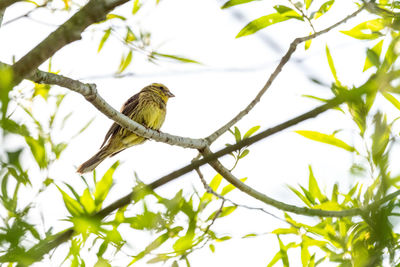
(125, 61)
(301, 196)
(212, 248)
(230, 187)
(307, 43)
(327, 139)
(373, 56)
(73, 206)
(251, 131)
(215, 182)
(237, 135)
(178, 58)
(38, 150)
(244, 153)
(332, 65)
(104, 39)
(285, 231)
(87, 201)
(115, 16)
(261, 23)
(103, 186)
(308, 3)
(249, 235)
(391, 99)
(313, 187)
(136, 6)
(367, 30)
(41, 90)
(323, 9)
(231, 3)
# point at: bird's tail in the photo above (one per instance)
(94, 161)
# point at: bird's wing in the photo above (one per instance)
(127, 109)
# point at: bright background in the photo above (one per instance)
(207, 96)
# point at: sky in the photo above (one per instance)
(207, 96)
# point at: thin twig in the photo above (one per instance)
(210, 139)
(303, 15)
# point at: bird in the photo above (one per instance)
(148, 107)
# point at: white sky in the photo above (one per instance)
(207, 96)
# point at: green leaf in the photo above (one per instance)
(177, 58)
(73, 206)
(327, 139)
(307, 43)
(237, 135)
(313, 187)
(215, 182)
(285, 231)
(323, 9)
(373, 56)
(391, 99)
(212, 248)
(103, 186)
(249, 235)
(261, 23)
(87, 201)
(104, 39)
(300, 195)
(125, 61)
(230, 187)
(367, 30)
(231, 3)
(244, 153)
(6, 78)
(275, 259)
(332, 65)
(38, 150)
(41, 90)
(58, 149)
(251, 131)
(115, 16)
(136, 6)
(183, 243)
(308, 3)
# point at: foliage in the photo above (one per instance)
(179, 225)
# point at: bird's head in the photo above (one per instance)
(161, 90)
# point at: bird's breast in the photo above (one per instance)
(153, 116)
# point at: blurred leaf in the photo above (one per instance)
(136, 7)
(313, 186)
(104, 38)
(230, 187)
(225, 212)
(41, 90)
(125, 61)
(367, 30)
(231, 3)
(237, 135)
(323, 9)
(103, 186)
(265, 21)
(87, 201)
(177, 58)
(6, 78)
(73, 206)
(332, 65)
(250, 235)
(391, 99)
(212, 248)
(285, 231)
(327, 139)
(373, 56)
(152, 246)
(300, 195)
(215, 182)
(83, 128)
(58, 149)
(130, 36)
(38, 150)
(184, 242)
(115, 16)
(308, 3)
(11, 126)
(251, 131)
(307, 43)
(244, 153)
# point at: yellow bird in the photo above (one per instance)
(148, 107)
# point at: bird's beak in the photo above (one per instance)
(170, 94)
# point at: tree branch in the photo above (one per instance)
(292, 48)
(94, 11)
(90, 93)
(6, 3)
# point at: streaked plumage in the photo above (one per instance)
(148, 107)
